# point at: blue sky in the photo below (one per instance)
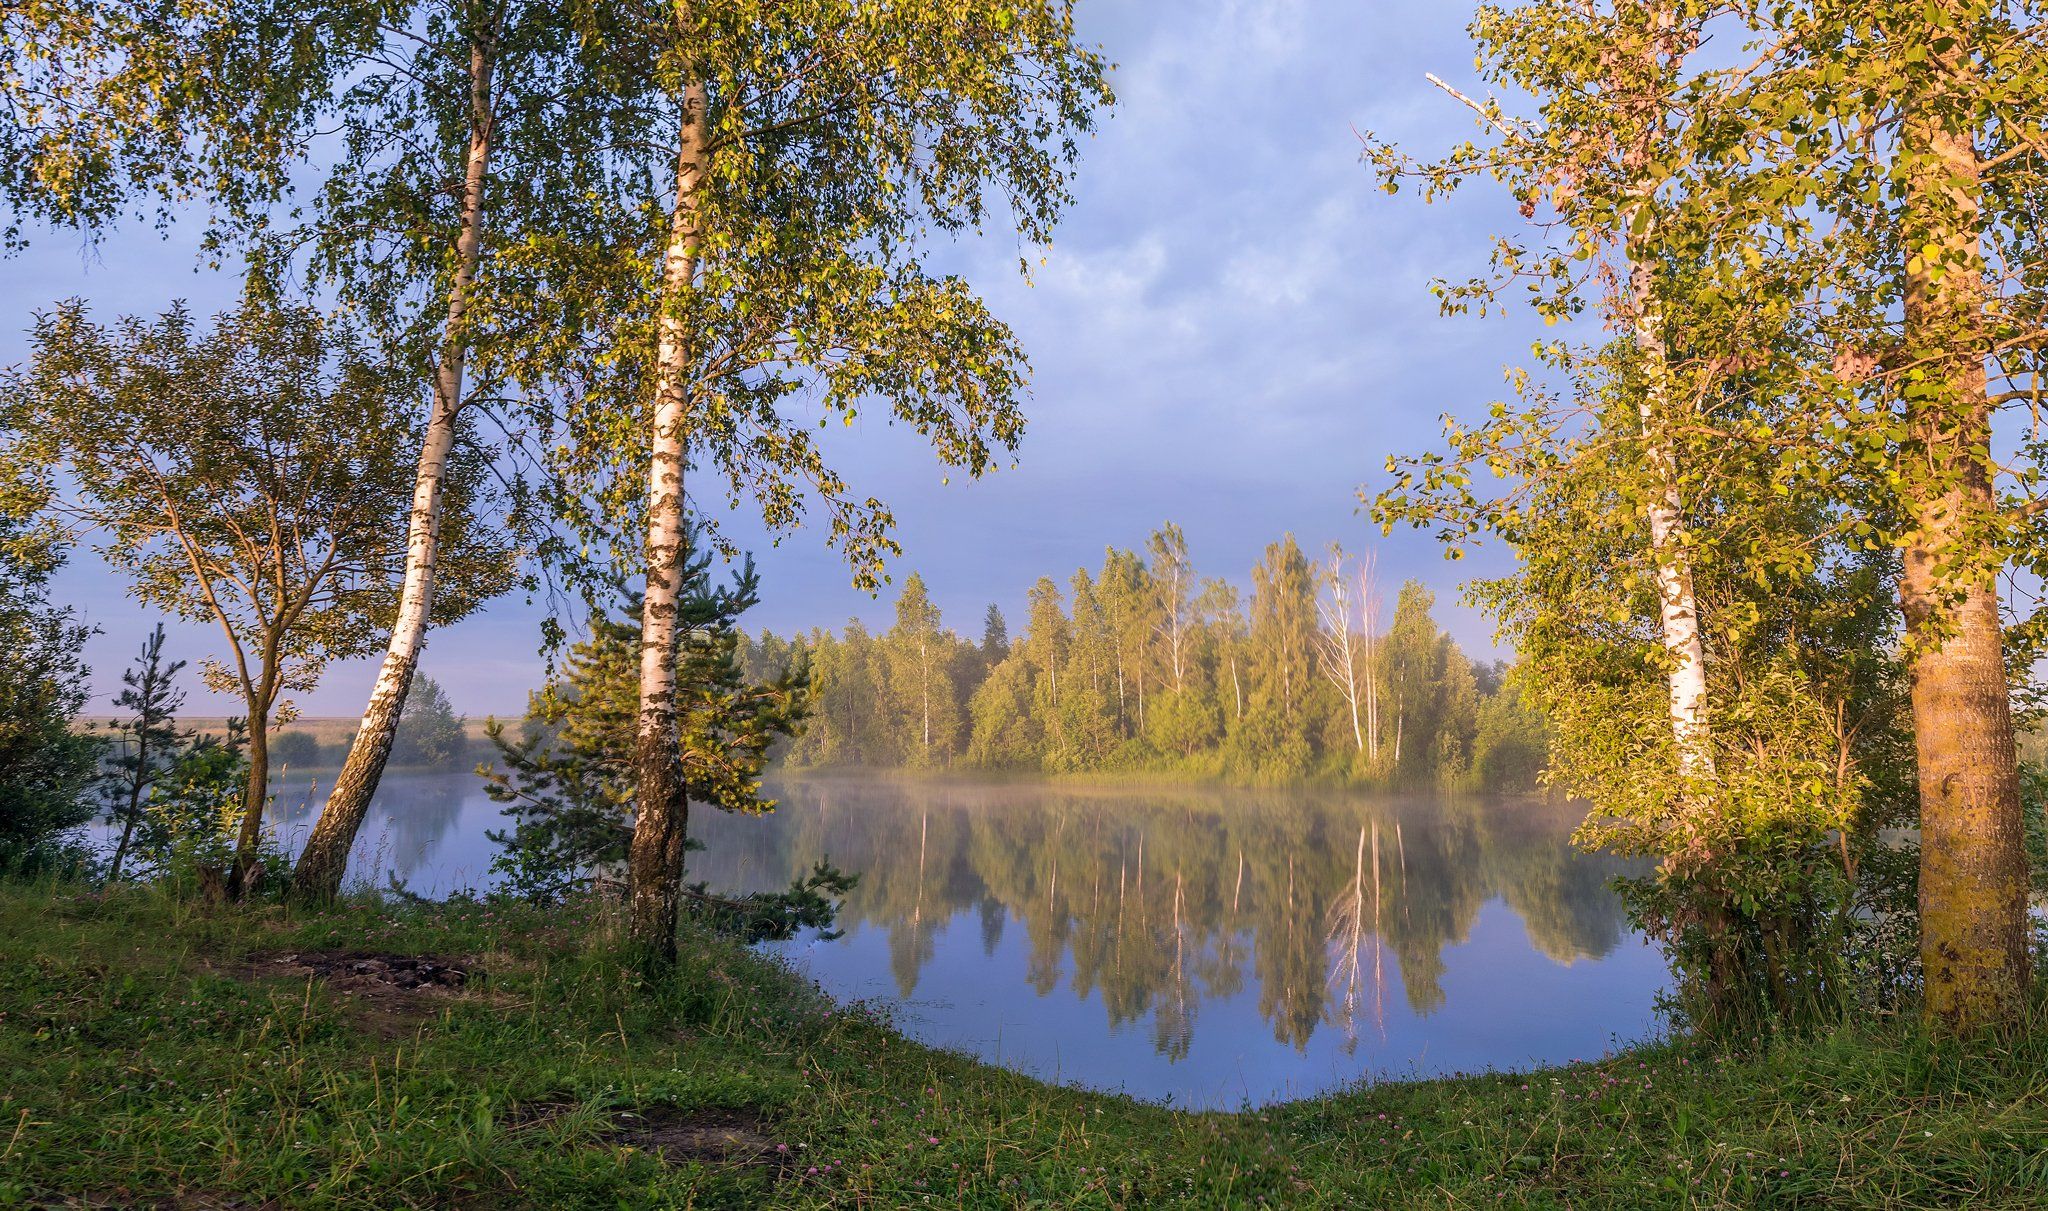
(1232, 331)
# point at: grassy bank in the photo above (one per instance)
(160, 1053)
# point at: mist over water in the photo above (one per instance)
(1205, 946)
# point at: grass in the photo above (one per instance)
(152, 1054)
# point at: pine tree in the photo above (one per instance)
(1286, 689)
(995, 637)
(570, 782)
(45, 764)
(150, 742)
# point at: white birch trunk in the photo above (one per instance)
(1678, 609)
(324, 859)
(661, 827)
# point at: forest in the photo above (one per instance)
(1144, 667)
(556, 310)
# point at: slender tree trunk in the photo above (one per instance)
(255, 790)
(135, 792)
(662, 827)
(325, 858)
(1122, 727)
(121, 850)
(1372, 693)
(1357, 728)
(1677, 606)
(1973, 871)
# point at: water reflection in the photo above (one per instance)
(1209, 947)
(425, 829)
(1333, 919)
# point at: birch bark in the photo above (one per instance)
(660, 832)
(324, 859)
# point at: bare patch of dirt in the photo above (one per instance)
(680, 1137)
(364, 970)
(389, 993)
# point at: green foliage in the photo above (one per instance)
(1690, 472)
(46, 766)
(1511, 738)
(840, 144)
(429, 731)
(297, 749)
(568, 780)
(249, 477)
(810, 902)
(189, 827)
(1142, 674)
(111, 101)
(148, 742)
(2034, 795)
(918, 656)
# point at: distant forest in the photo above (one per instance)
(1143, 666)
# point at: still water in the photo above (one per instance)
(1211, 948)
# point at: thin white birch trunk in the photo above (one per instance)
(324, 859)
(660, 828)
(1678, 609)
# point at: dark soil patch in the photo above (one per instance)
(352, 970)
(389, 993)
(679, 1137)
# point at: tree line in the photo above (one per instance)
(1144, 666)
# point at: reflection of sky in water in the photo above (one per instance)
(1506, 1006)
(1182, 944)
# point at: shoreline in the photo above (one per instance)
(164, 1049)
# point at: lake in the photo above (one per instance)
(1210, 948)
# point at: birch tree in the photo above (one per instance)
(1694, 442)
(1613, 82)
(1343, 646)
(809, 152)
(471, 130)
(919, 651)
(1173, 579)
(248, 477)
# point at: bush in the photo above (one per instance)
(296, 748)
(429, 730)
(46, 767)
